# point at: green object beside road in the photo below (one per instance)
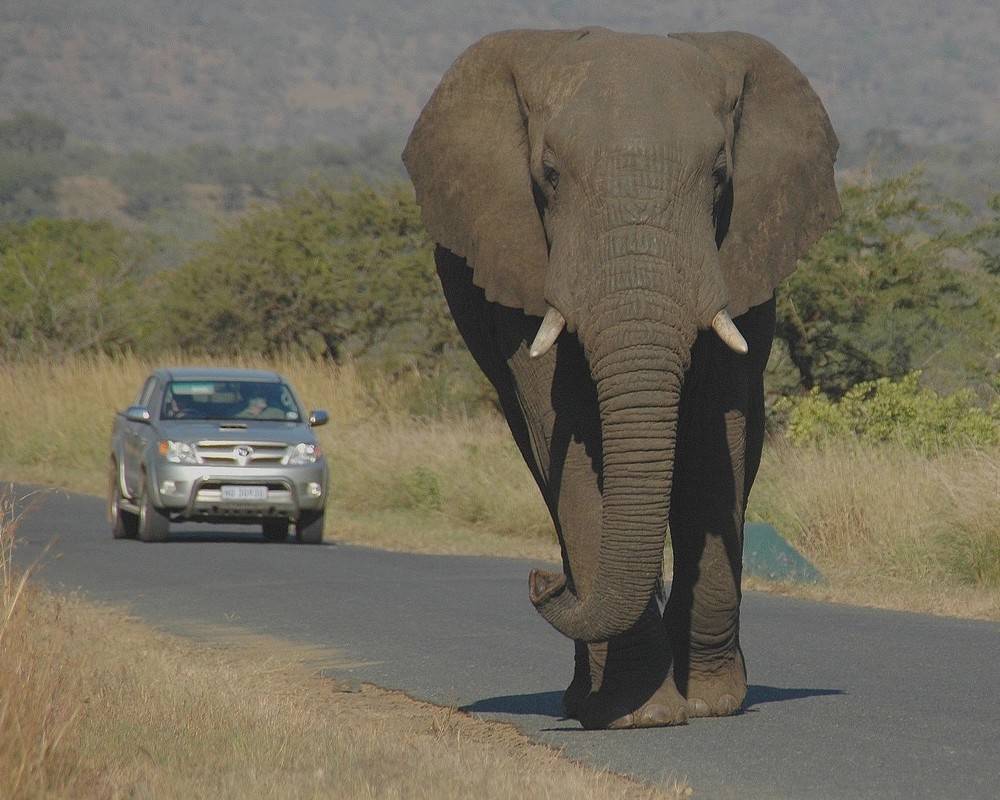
(767, 555)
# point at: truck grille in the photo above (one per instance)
(241, 453)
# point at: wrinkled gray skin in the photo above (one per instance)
(638, 185)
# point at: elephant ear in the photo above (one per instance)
(468, 157)
(783, 192)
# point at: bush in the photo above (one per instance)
(27, 186)
(900, 411)
(899, 280)
(337, 274)
(32, 133)
(151, 182)
(69, 286)
(420, 488)
(973, 556)
(874, 516)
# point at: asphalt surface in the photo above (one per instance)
(843, 703)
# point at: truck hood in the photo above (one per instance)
(278, 431)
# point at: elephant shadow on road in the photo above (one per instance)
(549, 704)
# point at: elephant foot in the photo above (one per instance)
(717, 689)
(584, 671)
(627, 705)
(575, 695)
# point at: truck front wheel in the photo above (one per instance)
(309, 528)
(123, 524)
(154, 524)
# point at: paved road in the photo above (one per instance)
(844, 702)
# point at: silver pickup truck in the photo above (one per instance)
(216, 445)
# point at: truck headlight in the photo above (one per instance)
(178, 452)
(304, 454)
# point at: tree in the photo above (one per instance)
(895, 283)
(69, 286)
(987, 237)
(32, 133)
(335, 273)
(27, 187)
(151, 182)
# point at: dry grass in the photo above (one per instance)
(96, 705)
(413, 471)
(890, 527)
(35, 711)
(459, 481)
(400, 480)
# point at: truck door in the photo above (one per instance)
(136, 434)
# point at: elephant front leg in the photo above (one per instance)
(629, 680)
(718, 456)
(625, 682)
(702, 617)
(551, 406)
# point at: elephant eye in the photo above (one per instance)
(551, 175)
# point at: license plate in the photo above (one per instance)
(244, 493)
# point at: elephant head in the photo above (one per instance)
(631, 190)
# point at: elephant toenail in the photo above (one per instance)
(625, 721)
(727, 704)
(699, 708)
(655, 715)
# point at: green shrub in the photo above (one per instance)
(337, 274)
(902, 279)
(69, 286)
(973, 556)
(151, 182)
(420, 489)
(900, 411)
(31, 133)
(27, 186)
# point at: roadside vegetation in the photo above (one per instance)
(882, 490)
(882, 388)
(94, 704)
(904, 281)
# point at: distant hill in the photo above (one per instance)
(157, 74)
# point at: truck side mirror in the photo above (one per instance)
(138, 414)
(318, 417)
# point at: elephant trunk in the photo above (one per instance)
(638, 343)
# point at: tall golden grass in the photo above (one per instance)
(95, 705)
(451, 480)
(40, 698)
(843, 505)
(888, 525)
(413, 471)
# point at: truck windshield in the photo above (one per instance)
(229, 400)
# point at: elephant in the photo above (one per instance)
(612, 213)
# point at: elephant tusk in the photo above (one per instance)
(548, 332)
(724, 326)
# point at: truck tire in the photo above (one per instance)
(275, 530)
(154, 524)
(309, 528)
(123, 524)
